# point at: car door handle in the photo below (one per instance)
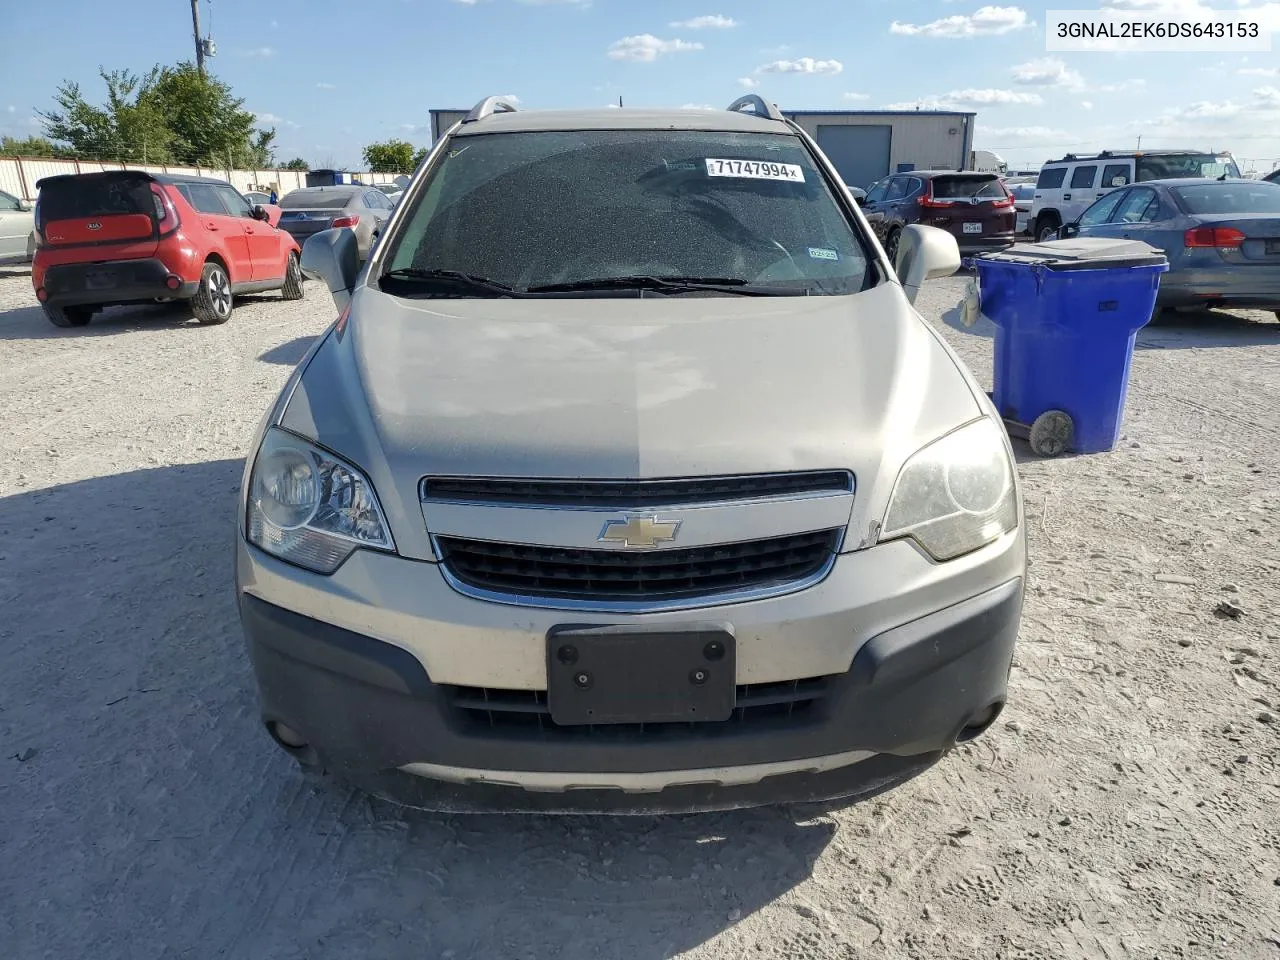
(248, 229)
(1066, 196)
(210, 225)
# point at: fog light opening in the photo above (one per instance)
(173, 282)
(42, 294)
(293, 743)
(980, 722)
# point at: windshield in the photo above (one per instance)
(1235, 196)
(563, 207)
(1186, 165)
(320, 200)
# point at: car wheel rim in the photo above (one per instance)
(220, 293)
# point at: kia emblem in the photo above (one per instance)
(93, 225)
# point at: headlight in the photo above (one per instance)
(310, 508)
(955, 495)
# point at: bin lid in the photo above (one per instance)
(1081, 253)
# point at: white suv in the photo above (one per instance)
(1066, 187)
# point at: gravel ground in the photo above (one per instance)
(1125, 805)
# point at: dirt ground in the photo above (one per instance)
(1127, 804)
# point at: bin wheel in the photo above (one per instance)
(1051, 433)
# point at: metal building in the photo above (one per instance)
(864, 145)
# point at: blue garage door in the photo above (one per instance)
(860, 153)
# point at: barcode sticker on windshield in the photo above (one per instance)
(755, 170)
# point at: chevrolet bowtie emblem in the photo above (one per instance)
(639, 531)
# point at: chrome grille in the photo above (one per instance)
(651, 575)
(634, 494)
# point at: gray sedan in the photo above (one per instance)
(309, 210)
(1222, 237)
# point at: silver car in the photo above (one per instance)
(629, 479)
(311, 210)
(17, 229)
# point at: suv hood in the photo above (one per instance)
(623, 388)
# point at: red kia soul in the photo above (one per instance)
(131, 237)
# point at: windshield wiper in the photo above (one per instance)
(669, 285)
(452, 278)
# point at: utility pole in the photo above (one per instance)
(195, 25)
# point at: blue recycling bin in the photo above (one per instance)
(1067, 313)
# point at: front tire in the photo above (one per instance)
(1047, 228)
(68, 316)
(212, 303)
(891, 244)
(292, 289)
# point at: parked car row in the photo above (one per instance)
(1222, 237)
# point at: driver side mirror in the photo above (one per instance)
(24, 205)
(1069, 230)
(333, 257)
(859, 195)
(925, 253)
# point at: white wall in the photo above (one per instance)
(18, 175)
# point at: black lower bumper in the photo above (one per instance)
(367, 708)
(114, 281)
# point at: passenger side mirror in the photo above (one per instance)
(1069, 230)
(259, 212)
(925, 253)
(24, 205)
(333, 256)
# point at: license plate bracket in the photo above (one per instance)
(99, 280)
(626, 674)
(973, 228)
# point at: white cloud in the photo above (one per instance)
(748, 83)
(985, 21)
(11, 109)
(959, 99)
(1019, 136)
(857, 97)
(803, 65)
(711, 22)
(268, 118)
(1246, 72)
(1087, 104)
(646, 48)
(326, 86)
(260, 52)
(1047, 72)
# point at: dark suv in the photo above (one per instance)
(975, 207)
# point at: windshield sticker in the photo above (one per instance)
(755, 170)
(822, 253)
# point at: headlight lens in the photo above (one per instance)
(955, 495)
(310, 508)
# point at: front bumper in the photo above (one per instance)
(114, 281)
(905, 677)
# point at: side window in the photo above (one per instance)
(1082, 177)
(204, 197)
(1101, 211)
(877, 191)
(1116, 175)
(7, 202)
(236, 204)
(915, 186)
(1051, 178)
(897, 188)
(1134, 207)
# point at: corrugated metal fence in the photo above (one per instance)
(18, 175)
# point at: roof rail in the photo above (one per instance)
(758, 105)
(488, 107)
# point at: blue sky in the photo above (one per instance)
(333, 75)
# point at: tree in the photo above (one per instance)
(420, 156)
(297, 163)
(390, 156)
(170, 114)
(29, 147)
(129, 126)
